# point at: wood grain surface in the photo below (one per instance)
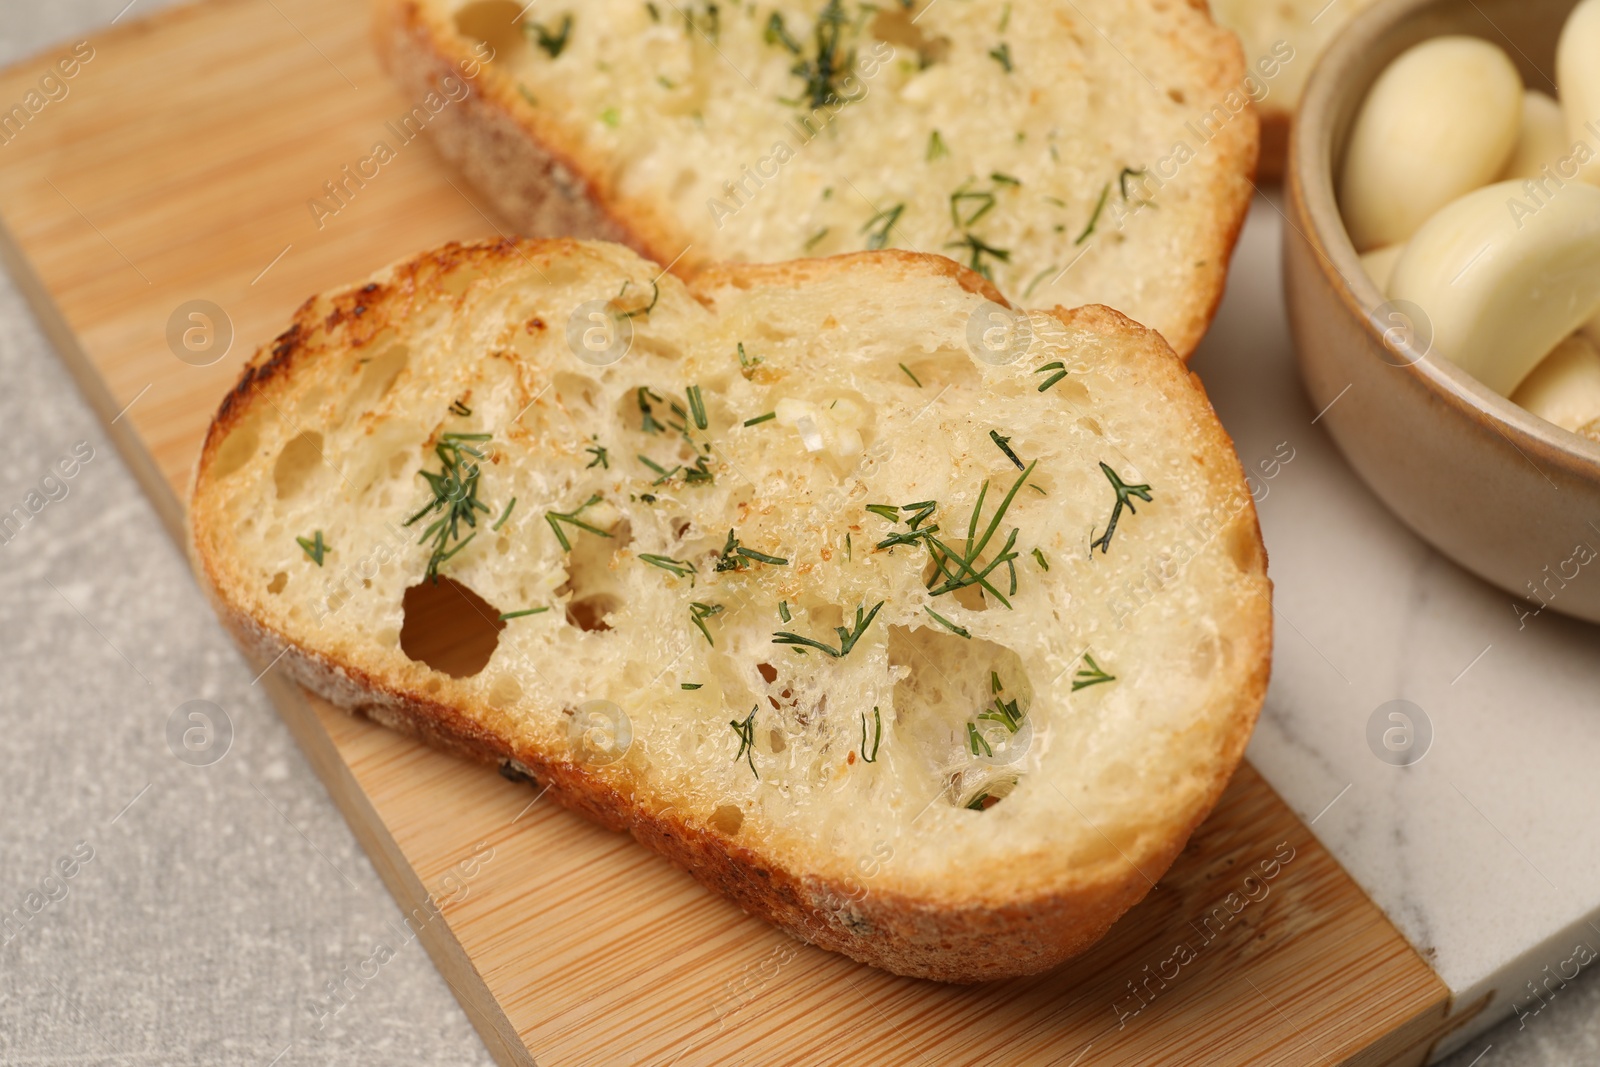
(180, 165)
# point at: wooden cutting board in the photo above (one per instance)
(180, 165)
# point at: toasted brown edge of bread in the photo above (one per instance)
(537, 177)
(897, 932)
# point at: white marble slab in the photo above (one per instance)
(1483, 852)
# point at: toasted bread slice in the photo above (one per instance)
(812, 576)
(1282, 41)
(1097, 151)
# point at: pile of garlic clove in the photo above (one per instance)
(1479, 201)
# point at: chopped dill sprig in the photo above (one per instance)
(691, 686)
(1038, 556)
(455, 493)
(1059, 370)
(1129, 172)
(877, 735)
(759, 419)
(552, 42)
(975, 741)
(1037, 278)
(601, 457)
(735, 557)
(977, 249)
(504, 515)
(1090, 675)
(814, 240)
(983, 201)
(977, 803)
(697, 406)
(746, 732)
(783, 610)
(1125, 495)
(663, 472)
(504, 615)
(879, 225)
(315, 547)
(459, 409)
(959, 631)
(699, 473)
(777, 33)
(1005, 712)
(655, 296)
(848, 636)
(747, 364)
(647, 420)
(677, 567)
(821, 72)
(1001, 54)
(1003, 179)
(936, 147)
(959, 569)
(699, 613)
(1094, 219)
(913, 377)
(1004, 444)
(556, 518)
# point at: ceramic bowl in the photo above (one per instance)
(1508, 496)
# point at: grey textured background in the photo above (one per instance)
(220, 899)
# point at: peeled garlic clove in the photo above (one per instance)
(1379, 265)
(1565, 387)
(1578, 76)
(1441, 120)
(1502, 280)
(1542, 139)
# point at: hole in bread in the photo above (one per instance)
(1244, 548)
(449, 627)
(1092, 426)
(589, 613)
(769, 673)
(978, 791)
(505, 691)
(377, 377)
(948, 682)
(1177, 96)
(576, 392)
(458, 280)
(493, 21)
(897, 26)
(237, 449)
(680, 526)
(657, 346)
(1072, 391)
(592, 585)
(297, 463)
(727, 819)
(279, 580)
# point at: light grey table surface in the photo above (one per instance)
(217, 902)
